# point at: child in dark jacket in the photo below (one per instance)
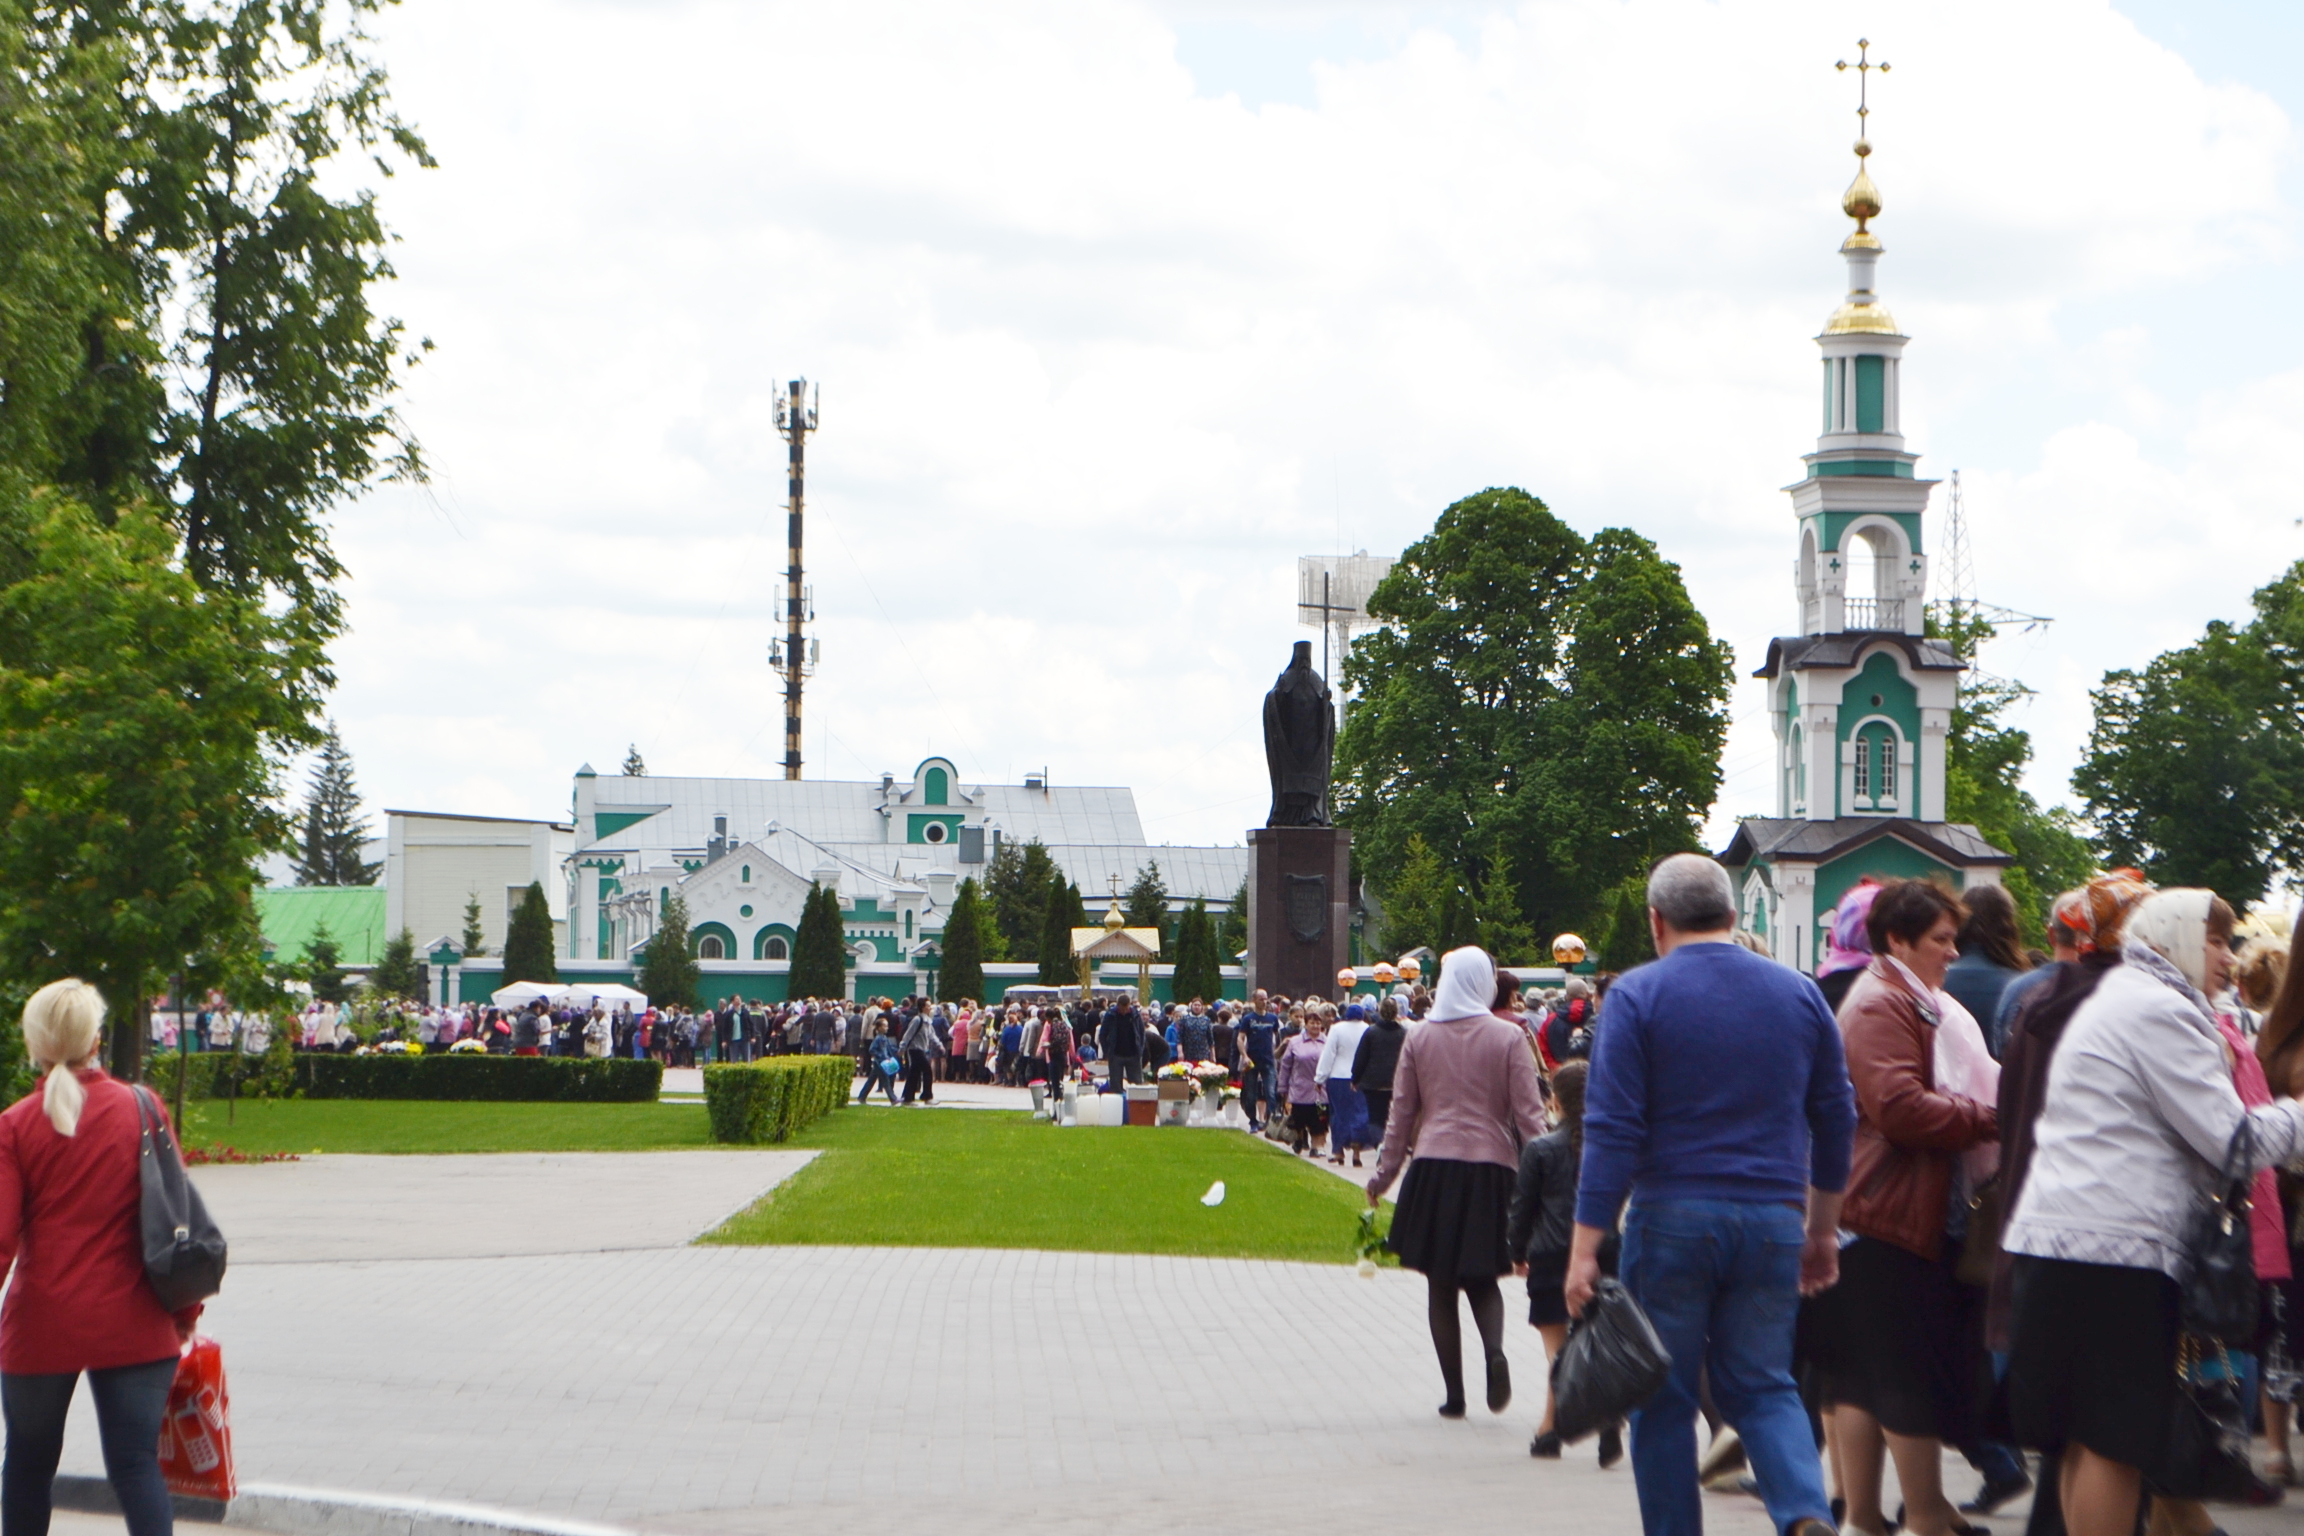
(1542, 1226)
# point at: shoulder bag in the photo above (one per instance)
(183, 1247)
(2219, 1280)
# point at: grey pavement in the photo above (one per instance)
(450, 1343)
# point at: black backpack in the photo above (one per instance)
(183, 1247)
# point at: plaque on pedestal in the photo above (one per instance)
(1299, 909)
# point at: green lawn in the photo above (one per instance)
(399, 1125)
(991, 1179)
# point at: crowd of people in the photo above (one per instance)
(1953, 1193)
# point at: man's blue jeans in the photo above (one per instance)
(1720, 1279)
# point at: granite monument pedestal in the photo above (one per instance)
(1299, 909)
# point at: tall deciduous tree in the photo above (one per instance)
(962, 973)
(333, 825)
(819, 950)
(1533, 690)
(1017, 881)
(669, 973)
(528, 940)
(1063, 912)
(2195, 768)
(138, 718)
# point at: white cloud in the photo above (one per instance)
(1101, 354)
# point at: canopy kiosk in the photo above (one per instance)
(1117, 941)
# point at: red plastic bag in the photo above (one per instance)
(196, 1435)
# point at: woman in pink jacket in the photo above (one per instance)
(1464, 1098)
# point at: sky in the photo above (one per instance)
(1116, 308)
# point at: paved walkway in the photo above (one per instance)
(532, 1332)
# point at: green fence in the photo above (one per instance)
(772, 1100)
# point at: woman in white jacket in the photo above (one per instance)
(2138, 1114)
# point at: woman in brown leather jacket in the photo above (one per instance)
(1906, 1354)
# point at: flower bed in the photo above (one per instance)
(766, 1101)
(454, 1076)
(197, 1157)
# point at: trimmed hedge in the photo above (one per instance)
(467, 1078)
(772, 1100)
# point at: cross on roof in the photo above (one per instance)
(1863, 67)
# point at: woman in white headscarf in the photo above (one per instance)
(1464, 1098)
(2139, 1111)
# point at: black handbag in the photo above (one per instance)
(2206, 1456)
(2218, 1283)
(183, 1246)
(1612, 1363)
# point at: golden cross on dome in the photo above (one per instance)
(1863, 67)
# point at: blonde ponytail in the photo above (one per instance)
(61, 1024)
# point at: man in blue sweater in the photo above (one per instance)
(1719, 1104)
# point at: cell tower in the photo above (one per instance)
(794, 657)
(1959, 608)
(1332, 595)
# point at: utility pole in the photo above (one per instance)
(795, 655)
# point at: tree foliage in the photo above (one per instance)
(1622, 939)
(528, 939)
(333, 824)
(398, 971)
(324, 967)
(2195, 767)
(634, 768)
(1198, 966)
(140, 721)
(1984, 762)
(819, 947)
(475, 939)
(1530, 695)
(1017, 881)
(669, 973)
(962, 973)
(1146, 903)
(1496, 915)
(1232, 931)
(1061, 912)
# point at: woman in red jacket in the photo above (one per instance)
(70, 1198)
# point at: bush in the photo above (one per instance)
(471, 1079)
(773, 1100)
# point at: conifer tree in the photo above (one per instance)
(634, 768)
(962, 974)
(398, 971)
(528, 941)
(1197, 966)
(475, 931)
(1017, 882)
(324, 967)
(1146, 904)
(668, 971)
(1496, 913)
(1064, 912)
(1232, 932)
(334, 827)
(819, 950)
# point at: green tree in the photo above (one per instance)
(962, 973)
(528, 939)
(1414, 898)
(1062, 912)
(398, 971)
(669, 973)
(1620, 939)
(819, 948)
(1529, 689)
(475, 941)
(138, 720)
(1984, 762)
(1146, 903)
(2195, 767)
(324, 967)
(334, 826)
(1497, 918)
(1232, 933)
(634, 768)
(1017, 881)
(1198, 967)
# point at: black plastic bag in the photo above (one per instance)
(1613, 1362)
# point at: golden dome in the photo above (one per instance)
(1862, 199)
(1112, 918)
(1860, 319)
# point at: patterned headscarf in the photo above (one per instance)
(1850, 947)
(2096, 913)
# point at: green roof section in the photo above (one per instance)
(352, 914)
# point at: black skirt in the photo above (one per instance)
(1451, 1219)
(1905, 1341)
(2092, 1359)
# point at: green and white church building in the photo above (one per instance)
(1860, 700)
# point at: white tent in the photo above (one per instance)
(521, 992)
(585, 993)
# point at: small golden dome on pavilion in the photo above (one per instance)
(1861, 319)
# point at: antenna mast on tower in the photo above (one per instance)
(795, 655)
(1958, 609)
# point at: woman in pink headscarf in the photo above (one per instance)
(1848, 946)
(1464, 1097)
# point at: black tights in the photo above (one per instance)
(1448, 1331)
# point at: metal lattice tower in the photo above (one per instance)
(1332, 594)
(794, 657)
(1959, 605)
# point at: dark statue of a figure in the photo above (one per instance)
(1299, 743)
